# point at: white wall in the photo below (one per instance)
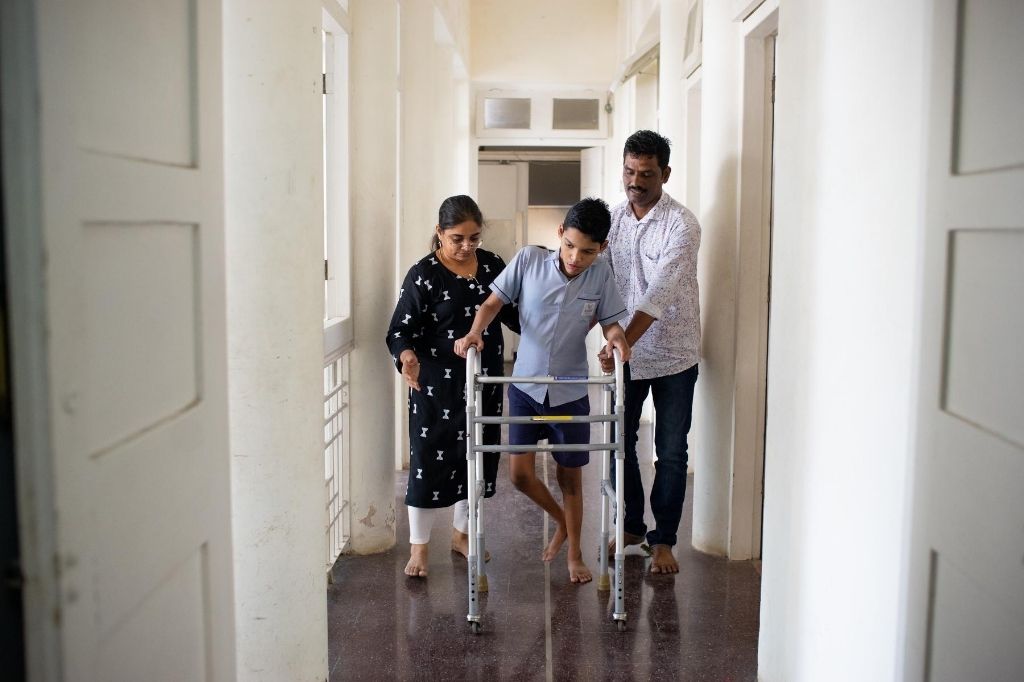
(434, 143)
(850, 111)
(539, 41)
(274, 240)
(542, 225)
(712, 442)
(374, 159)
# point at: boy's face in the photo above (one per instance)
(577, 251)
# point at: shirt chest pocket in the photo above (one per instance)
(587, 306)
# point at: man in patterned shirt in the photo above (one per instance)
(652, 247)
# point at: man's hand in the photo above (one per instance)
(617, 341)
(411, 369)
(606, 360)
(473, 339)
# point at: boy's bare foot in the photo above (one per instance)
(578, 571)
(460, 544)
(551, 551)
(663, 561)
(417, 566)
(627, 540)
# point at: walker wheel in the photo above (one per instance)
(475, 628)
(621, 625)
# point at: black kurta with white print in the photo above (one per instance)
(435, 308)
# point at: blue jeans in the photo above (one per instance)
(673, 403)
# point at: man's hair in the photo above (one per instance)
(591, 217)
(648, 143)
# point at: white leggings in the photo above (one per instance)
(421, 519)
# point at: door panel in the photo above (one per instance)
(133, 222)
(502, 190)
(971, 463)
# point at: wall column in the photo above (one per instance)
(671, 91)
(374, 73)
(274, 245)
(417, 210)
(712, 444)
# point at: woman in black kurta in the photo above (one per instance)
(436, 306)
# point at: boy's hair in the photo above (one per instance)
(591, 217)
(648, 143)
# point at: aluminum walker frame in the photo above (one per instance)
(612, 411)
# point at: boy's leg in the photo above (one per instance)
(570, 481)
(522, 471)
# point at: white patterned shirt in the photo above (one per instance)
(655, 264)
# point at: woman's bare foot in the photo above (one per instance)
(460, 544)
(417, 566)
(551, 551)
(578, 571)
(663, 561)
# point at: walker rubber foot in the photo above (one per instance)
(475, 628)
(481, 583)
(621, 625)
(604, 583)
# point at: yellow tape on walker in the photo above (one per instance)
(549, 418)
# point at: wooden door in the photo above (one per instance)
(971, 466)
(133, 223)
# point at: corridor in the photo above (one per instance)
(209, 207)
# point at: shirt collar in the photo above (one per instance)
(656, 210)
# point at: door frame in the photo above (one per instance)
(753, 283)
(24, 253)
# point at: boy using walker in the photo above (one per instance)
(561, 295)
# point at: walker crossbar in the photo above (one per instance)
(573, 447)
(557, 420)
(546, 380)
(612, 411)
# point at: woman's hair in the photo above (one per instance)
(455, 211)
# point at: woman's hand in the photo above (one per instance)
(473, 339)
(411, 369)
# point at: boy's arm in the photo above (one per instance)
(488, 311)
(616, 338)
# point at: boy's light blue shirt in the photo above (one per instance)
(555, 314)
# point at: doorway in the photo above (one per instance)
(523, 194)
(753, 282)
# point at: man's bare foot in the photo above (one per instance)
(663, 561)
(460, 544)
(551, 551)
(627, 540)
(578, 571)
(417, 566)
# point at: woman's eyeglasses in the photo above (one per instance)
(458, 241)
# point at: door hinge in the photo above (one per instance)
(327, 271)
(323, 83)
(773, 88)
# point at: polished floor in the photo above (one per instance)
(701, 624)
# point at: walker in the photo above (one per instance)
(610, 497)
